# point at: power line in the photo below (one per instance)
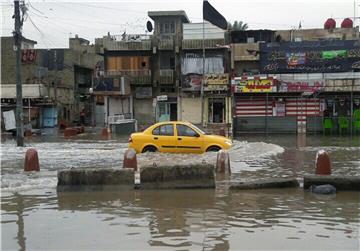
(41, 33)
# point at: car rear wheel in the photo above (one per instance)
(149, 149)
(213, 149)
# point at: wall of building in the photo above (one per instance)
(317, 34)
(195, 31)
(191, 109)
(248, 67)
(144, 111)
(119, 105)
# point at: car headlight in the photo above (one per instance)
(228, 142)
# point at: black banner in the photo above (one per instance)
(213, 16)
(310, 56)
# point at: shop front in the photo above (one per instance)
(264, 104)
(166, 108)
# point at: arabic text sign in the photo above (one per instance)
(301, 85)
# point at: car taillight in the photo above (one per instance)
(130, 140)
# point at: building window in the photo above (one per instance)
(168, 27)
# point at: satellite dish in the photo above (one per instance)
(149, 26)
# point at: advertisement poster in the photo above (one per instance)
(279, 109)
(295, 58)
(191, 82)
(310, 56)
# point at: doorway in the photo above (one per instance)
(216, 110)
(173, 112)
(166, 111)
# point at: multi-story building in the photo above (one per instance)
(164, 71)
(55, 82)
(306, 77)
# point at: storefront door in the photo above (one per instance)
(167, 111)
(216, 110)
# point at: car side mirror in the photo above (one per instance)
(197, 135)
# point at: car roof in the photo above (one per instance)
(176, 122)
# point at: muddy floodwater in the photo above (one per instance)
(34, 216)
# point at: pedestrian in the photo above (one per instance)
(82, 117)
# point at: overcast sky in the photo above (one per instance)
(51, 23)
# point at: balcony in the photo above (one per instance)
(134, 42)
(168, 41)
(166, 44)
(208, 43)
(111, 86)
(166, 77)
(136, 77)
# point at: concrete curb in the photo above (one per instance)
(95, 179)
(340, 182)
(268, 183)
(175, 177)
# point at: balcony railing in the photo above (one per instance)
(113, 85)
(137, 77)
(125, 42)
(208, 43)
(166, 44)
(129, 73)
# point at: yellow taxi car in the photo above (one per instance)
(176, 137)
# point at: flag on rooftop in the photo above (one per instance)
(213, 16)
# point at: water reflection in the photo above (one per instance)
(35, 216)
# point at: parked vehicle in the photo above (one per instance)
(176, 137)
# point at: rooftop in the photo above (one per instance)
(175, 13)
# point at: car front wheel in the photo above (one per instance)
(213, 149)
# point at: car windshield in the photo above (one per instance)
(198, 129)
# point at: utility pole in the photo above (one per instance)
(19, 103)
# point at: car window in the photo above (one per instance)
(183, 130)
(164, 130)
(156, 131)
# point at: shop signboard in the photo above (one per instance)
(310, 56)
(301, 85)
(254, 85)
(162, 98)
(9, 120)
(216, 82)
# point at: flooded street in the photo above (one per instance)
(35, 216)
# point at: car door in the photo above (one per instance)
(188, 140)
(164, 138)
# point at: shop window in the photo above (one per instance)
(216, 110)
